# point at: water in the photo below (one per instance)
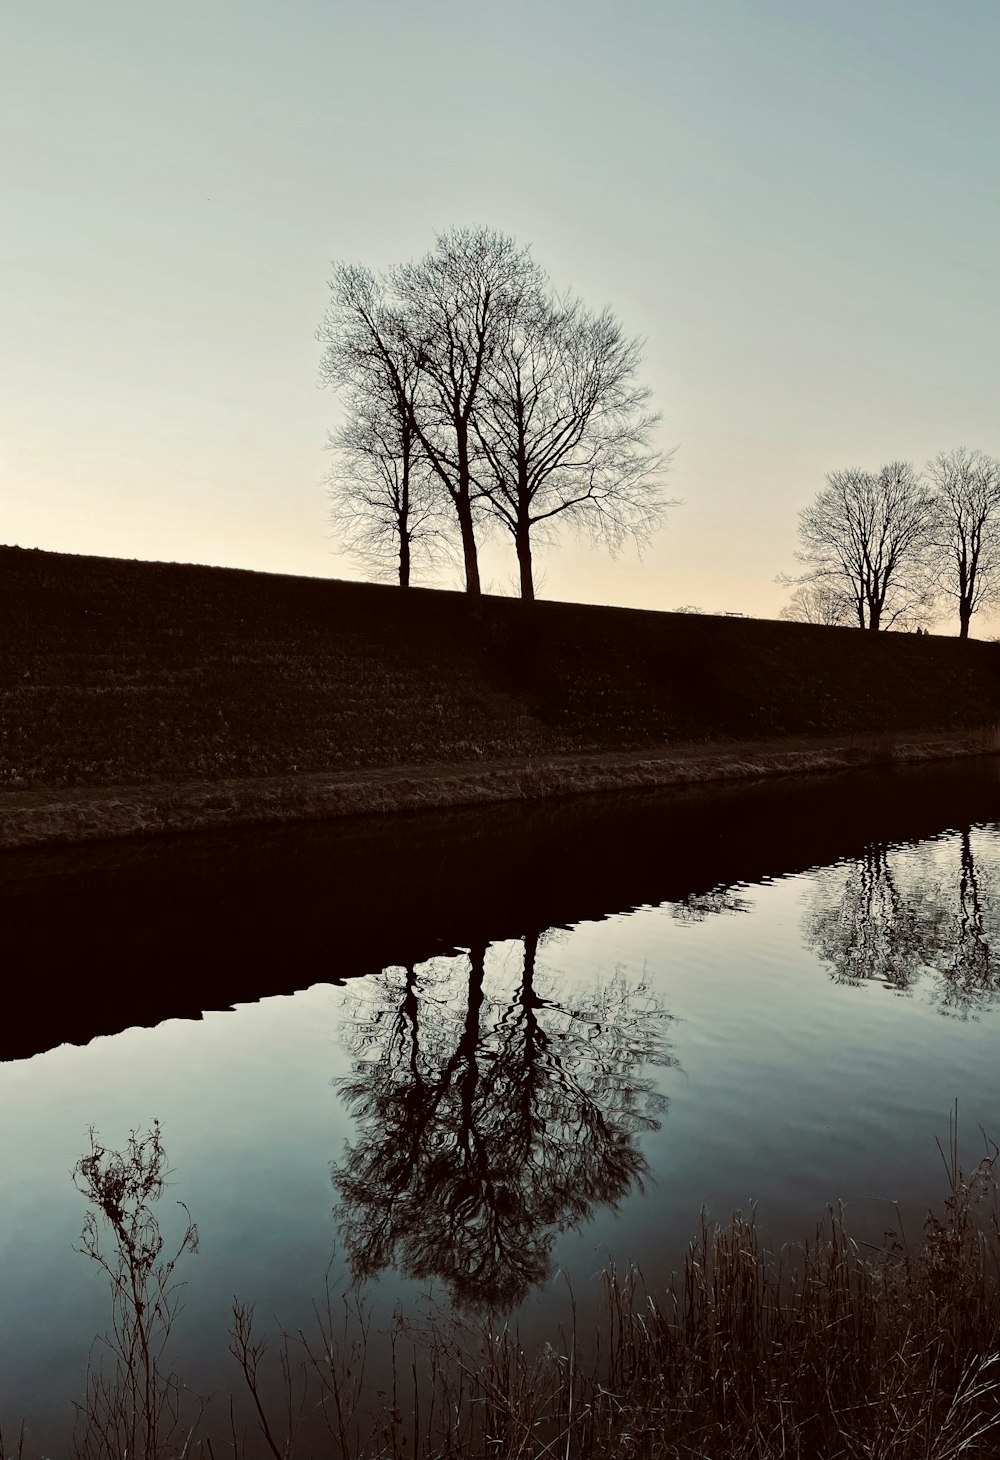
(460, 1057)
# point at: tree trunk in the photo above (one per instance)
(470, 553)
(403, 520)
(468, 1045)
(522, 541)
(964, 616)
(533, 1040)
(463, 506)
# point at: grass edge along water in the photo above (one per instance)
(820, 1350)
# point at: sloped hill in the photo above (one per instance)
(118, 672)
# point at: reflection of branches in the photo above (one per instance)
(490, 1124)
(966, 958)
(702, 905)
(867, 927)
(867, 931)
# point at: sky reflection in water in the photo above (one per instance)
(543, 1098)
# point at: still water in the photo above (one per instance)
(462, 1057)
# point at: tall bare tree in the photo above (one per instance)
(967, 484)
(563, 429)
(377, 492)
(868, 537)
(455, 309)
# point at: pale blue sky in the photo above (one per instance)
(797, 203)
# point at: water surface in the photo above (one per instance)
(468, 1054)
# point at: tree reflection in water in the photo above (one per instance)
(899, 915)
(968, 957)
(864, 927)
(702, 905)
(491, 1117)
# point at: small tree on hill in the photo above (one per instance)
(817, 603)
(967, 529)
(383, 504)
(377, 489)
(868, 537)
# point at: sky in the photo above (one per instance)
(795, 203)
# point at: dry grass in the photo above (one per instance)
(876, 749)
(824, 1352)
(36, 817)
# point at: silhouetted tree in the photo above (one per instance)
(967, 530)
(383, 505)
(487, 1127)
(818, 603)
(867, 537)
(456, 307)
(378, 486)
(443, 317)
(564, 430)
(524, 408)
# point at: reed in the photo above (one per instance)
(876, 748)
(824, 1351)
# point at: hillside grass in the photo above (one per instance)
(123, 673)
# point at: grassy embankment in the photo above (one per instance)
(157, 696)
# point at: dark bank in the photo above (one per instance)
(120, 672)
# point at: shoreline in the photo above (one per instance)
(80, 814)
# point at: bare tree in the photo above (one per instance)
(967, 534)
(523, 409)
(455, 309)
(381, 494)
(378, 501)
(867, 536)
(817, 603)
(564, 431)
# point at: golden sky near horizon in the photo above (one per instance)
(796, 204)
